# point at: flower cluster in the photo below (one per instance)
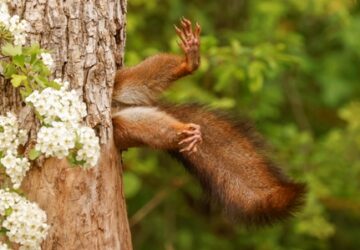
(10, 139)
(47, 59)
(60, 139)
(10, 134)
(89, 149)
(55, 140)
(24, 221)
(16, 168)
(62, 112)
(13, 23)
(58, 105)
(3, 247)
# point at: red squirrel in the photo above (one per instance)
(225, 157)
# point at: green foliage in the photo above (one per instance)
(8, 211)
(3, 230)
(25, 69)
(34, 154)
(132, 184)
(17, 80)
(293, 67)
(73, 161)
(5, 35)
(11, 50)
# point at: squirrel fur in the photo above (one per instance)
(226, 157)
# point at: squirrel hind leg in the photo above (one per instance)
(236, 172)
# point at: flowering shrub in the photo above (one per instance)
(16, 168)
(4, 247)
(58, 105)
(10, 139)
(10, 134)
(24, 221)
(16, 28)
(62, 133)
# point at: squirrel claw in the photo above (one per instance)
(189, 43)
(193, 138)
(187, 35)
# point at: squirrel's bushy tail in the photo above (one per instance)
(234, 171)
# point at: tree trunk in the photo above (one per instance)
(85, 208)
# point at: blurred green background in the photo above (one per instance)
(293, 67)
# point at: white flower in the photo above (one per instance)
(15, 168)
(10, 134)
(17, 27)
(3, 246)
(64, 84)
(59, 139)
(58, 105)
(9, 161)
(30, 247)
(4, 13)
(47, 59)
(26, 222)
(90, 149)
(55, 141)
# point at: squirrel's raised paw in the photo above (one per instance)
(190, 43)
(192, 138)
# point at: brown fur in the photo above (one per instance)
(139, 126)
(141, 84)
(229, 163)
(233, 169)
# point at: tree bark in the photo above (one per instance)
(85, 208)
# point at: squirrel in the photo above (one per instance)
(226, 157)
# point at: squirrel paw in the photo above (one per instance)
(193, 138)
(190, 43)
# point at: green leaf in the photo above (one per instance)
(54, 85)
(19, 60)
(24, 93)
(3, 231)
(34, 49)
(132, 184)
(78, 145)
(1, 129)
(17, 80)
(80, 163)
(72, 160)
(34, 154)
(256, 77)
(11, 50)
(5, 34)
(39, 67)
(223, 103)
(255, 69)
(42, 81)
(8, 211)
(224, 78)
(39, 117)
(9, 69)
(256, 83)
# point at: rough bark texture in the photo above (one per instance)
(85, 208)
